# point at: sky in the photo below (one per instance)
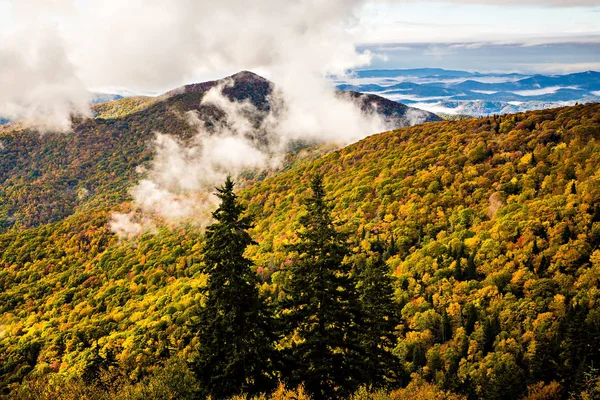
(534, 36)
(462, 21)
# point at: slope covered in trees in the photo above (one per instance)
(493, 232)
(489, 228)
(46, 178)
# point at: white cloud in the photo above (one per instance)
(539, 92)
(412, 97)
(437, 108)
(460, 22)
(37, 81)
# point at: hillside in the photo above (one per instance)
(490, 227)
(47, 178)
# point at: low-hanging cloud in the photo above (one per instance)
(37, 81)
(177, 187)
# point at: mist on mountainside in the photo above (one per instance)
(255, 128)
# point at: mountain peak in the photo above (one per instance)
(247, 76)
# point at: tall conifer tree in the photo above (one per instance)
(380, 318)
(322, 308)
(235, 345)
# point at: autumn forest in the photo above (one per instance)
(448, 260)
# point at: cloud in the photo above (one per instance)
(178, 186)
(37, 81)
(437, 108)
(128, 226)
(546, 90)
(536, 22)
(166, 44)
(416, 116)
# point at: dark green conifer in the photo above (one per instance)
(391, 249)
(380, 318)
(322, 308)
(235, 345)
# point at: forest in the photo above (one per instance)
(449, 260)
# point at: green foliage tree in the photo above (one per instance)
(322, 306)
(380, 318)
(234, 332)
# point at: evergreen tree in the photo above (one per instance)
(392, 248)
(380, 318)
(322, 307)
(235, 345)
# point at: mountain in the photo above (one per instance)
(98, 98)
(395, 114)
(248, 85)
(490, 228)
(458, 92)
(46, 178)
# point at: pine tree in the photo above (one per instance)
(322, 307)
(392, 248)
(235, 345)
(380, 318)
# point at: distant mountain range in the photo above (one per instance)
(473, 93)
